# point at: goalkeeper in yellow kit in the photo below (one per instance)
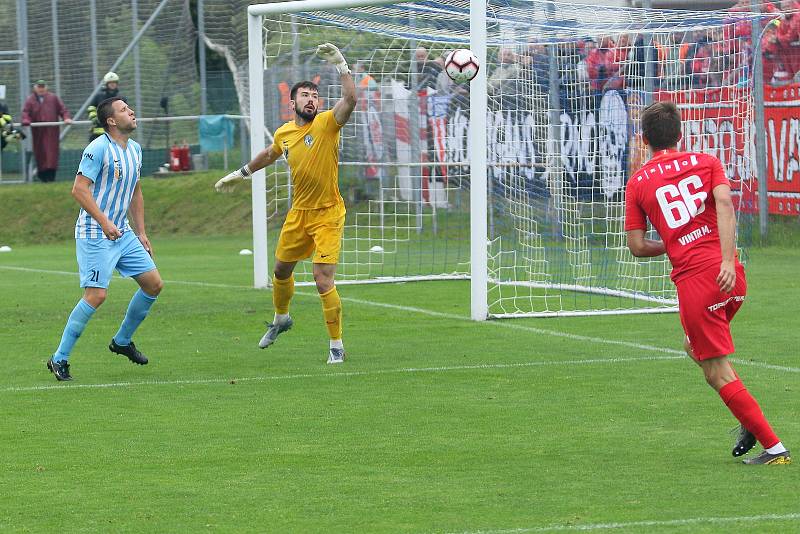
(315, 223)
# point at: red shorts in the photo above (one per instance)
(706, 312)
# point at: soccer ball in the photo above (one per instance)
(461, 65)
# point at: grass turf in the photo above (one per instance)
(434, 424)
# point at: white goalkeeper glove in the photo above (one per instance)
(229, 182)
(332, 55)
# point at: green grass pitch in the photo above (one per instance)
(434, 424)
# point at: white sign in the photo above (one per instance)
(2, 92)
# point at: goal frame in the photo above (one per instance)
(478, 173)
(479, 304)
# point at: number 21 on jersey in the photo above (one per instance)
(681, 203)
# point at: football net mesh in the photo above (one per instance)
(566, 85)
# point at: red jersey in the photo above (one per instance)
(674, 191)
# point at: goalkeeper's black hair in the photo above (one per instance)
(105, 111)
(661, 125)
(303, 85)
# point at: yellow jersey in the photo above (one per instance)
(312, 151)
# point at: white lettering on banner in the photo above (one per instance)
(511, 141)
(718, 305)
(458, 137)
(694, 235)
(714, 137)
(578, 144)
(588, 146)
(784, 161)
(592, 142)
(613, 142)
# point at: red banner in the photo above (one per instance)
(716, 121)
(782, 121)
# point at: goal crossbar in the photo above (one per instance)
(518, 183)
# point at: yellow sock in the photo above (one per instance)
(332, 311)
(282, 292)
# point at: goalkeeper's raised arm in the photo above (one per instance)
(305, 104)
(345, 106)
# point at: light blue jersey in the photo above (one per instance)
(114, 171)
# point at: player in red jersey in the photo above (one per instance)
(687, 198)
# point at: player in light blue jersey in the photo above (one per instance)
(107, 188)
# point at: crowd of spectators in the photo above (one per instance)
(780, 43)
(701, 58)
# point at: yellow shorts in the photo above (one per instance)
(307, 230)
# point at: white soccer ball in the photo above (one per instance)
(461, 65)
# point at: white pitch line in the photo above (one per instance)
(30, 270)
(74, 274)
(342, 374)
(653, 523)
(452, 316)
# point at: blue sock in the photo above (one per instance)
(75, 324)
(137, 311)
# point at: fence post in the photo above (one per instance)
(56, 49)
(649, 63)
(93, 37)
(24, 80)
(201, 56)
(137, 75)
(759, 131)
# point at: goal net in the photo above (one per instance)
(563, 87)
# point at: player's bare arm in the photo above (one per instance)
(136, 211)
(263, 159)
(81, 192)
(642, 247)
(345, 106)
(726, 223)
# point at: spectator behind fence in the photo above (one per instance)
(503, 84)
(580, 73)
(787, 35)
(536, 61)
(700, 65)
(110, 89)
(629, 59)
(427, 70)
(600, 64)
(770, 48)
(671, 73)
(44, 106)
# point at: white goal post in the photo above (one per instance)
(478, 99)
(526, 197)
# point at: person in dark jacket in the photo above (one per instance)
(44, 106)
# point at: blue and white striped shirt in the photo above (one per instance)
(114, 172)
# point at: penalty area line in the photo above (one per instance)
(346, 374)
(642, 524)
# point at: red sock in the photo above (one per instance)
(745, 408)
